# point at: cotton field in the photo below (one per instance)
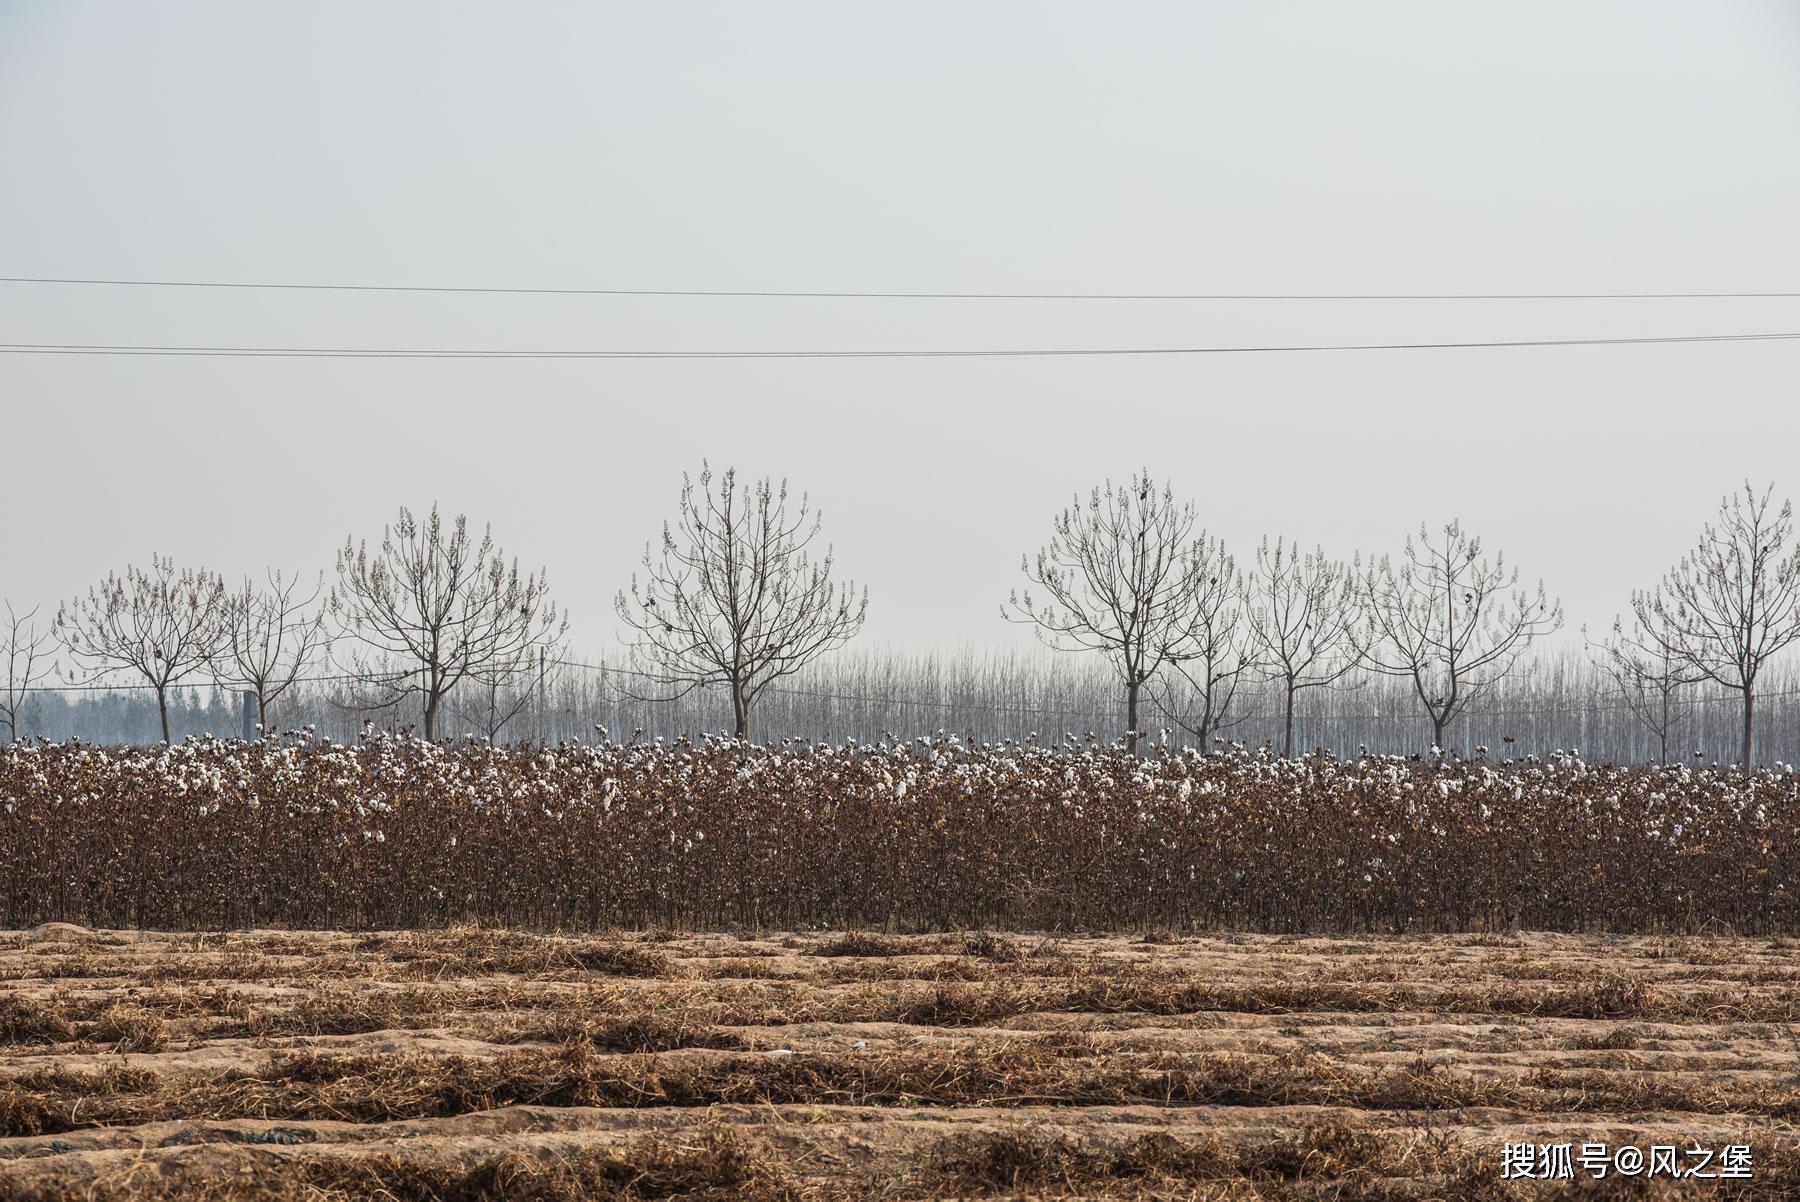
(929, 834)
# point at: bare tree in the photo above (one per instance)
(161, 624)
(270, 639)
(433, 608)
(1732, 602)
(1653, 682)
(500, 691)
(26, 650)
(1302, 611)
(1218, 652)
(1447, 619)
(1121, 575)
(734, 599)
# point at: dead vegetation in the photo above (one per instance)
(475, 1063)
(932, 835)
(1336, 1152)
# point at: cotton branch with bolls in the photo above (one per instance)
(734, 599)
(1448, 620)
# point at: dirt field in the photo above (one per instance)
(481, 1064)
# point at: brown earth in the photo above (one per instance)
(479, 1064)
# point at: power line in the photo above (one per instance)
(173, 686)
(771, 293)
(303, 352)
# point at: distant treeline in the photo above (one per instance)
(738, 624)
(1553, 702)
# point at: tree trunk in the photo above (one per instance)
(740, 710)
(431, 714)
(1662, 731)
(1749, 725)
(1437, 731)
(1287, 734)
(162, 709)
(1131, 715)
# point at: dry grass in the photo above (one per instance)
(659, 1031)
(860, 944)
(130, 1028)
(27, 1020)
(472, 951)
(717, 1163)
(316, 1085)
(1339, 1153)
(474, 1063)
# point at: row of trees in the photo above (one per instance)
(1128, 573)
(733, 598)
(429, 609)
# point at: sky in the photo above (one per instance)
(1315, 148)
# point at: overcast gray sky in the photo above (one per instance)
(1181, 147)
